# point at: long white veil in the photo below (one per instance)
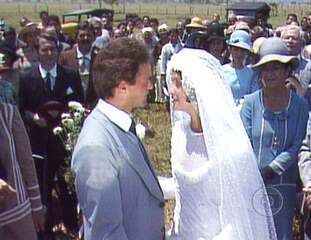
(244, 202)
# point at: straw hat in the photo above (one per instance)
(274, 49)
(257, 44)
(196, 22)
(242, 26)
(30, 28)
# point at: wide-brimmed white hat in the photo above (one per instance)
(147, 29)
(163, 27)
(274, 49)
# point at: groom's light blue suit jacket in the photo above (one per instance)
(118, 193)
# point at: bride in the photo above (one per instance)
(218, 189)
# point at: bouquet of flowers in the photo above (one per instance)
(68, 131)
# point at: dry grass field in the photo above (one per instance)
(155, 116)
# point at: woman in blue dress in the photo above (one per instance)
(242, 79)
(275, 120)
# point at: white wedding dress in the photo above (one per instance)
(197, 201)
(218, 189)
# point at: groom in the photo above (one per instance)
(116, 186)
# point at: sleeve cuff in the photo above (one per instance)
(34, 187)
(168, 187)
(37, 208)
(276, 167)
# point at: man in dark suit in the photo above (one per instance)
(43, 83)
(81, 58)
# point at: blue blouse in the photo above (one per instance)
(276, 136)
(242, 81)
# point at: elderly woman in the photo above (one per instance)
(242, 79)
(21, 213)
(275, 120)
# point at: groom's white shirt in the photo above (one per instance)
(115, 115)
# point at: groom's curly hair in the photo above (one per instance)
(118, 60)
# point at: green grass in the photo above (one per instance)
(169, 13)
(158, 142)
(158, 145)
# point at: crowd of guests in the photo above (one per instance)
(41, 67)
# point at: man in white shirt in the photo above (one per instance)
(117, 188)
(293, 37)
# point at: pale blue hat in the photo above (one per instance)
(274, 49)
(240, 39)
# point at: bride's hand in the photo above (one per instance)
(180, 99)
(181, 102)
(178, 94)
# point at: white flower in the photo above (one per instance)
(57, 130)
(76, 106)
(68, 147)
(81, 110)
(140, 131)
(65, 115)
(77, 115)
(67, 122)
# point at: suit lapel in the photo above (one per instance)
(59, 82)
(136, 159)
(129, 148)
(38, 83)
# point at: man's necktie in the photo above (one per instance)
(84, 66)
(133, 128)
(48, 83)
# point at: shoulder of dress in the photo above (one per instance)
(253, 96)
(252, 101)
(299, 99)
